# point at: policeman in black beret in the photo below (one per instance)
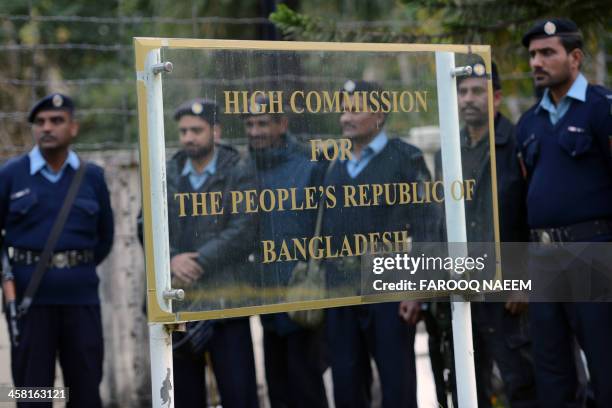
(565, 142)
(209, 252)
(499, 329)
(293, 354)
(384, 332)
(64, 318)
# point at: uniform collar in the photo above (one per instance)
(375, 146)
(577, 91)
(379, 142)
(38, 162)
(210, 168)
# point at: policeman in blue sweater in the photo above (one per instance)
(565, 143)
(64, 319)
(293, 354)
(209, 252)
(378, 331)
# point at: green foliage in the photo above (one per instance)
(496, 23)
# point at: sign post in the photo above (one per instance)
(156, 210)
(455, 225)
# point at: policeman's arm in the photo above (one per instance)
(105, 222)
(237, 240)
(603, 127)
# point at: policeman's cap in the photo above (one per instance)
(352, 86)
(200, 107)
(479, 71)
(260, 105)
(550, 28)
(54, 101)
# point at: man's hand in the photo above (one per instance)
(517, 303)
(185, 267)
(410, 311)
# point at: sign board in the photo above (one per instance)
(357, 108)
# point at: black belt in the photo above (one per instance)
(583, 231)
(63, 259)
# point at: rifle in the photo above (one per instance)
(10, 298)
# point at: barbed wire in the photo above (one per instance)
(138, 19)
(200, 20)
(79, 113)
(69, 46)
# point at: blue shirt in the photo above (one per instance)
(555, 113)
(355, 165)
(38, 163)
(198, 179)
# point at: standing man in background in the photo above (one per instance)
(293, 354)
(565, 141)
(208, 252)
(64, 320)
(499, 329)
(358, 333)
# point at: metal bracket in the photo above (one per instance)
(462, 71)
(174, 294)
(178, 327)
(162, 67)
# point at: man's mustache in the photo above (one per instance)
(470, 107)
(540, 71)
(47, 136)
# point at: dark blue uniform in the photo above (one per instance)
(223, 243)
(498, 335)
(569, 169)
(293, 354)
(358, 333)
(65, 317)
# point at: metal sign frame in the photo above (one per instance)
(152, 149)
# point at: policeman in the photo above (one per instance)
(499, 330)
(293, 354)
(64, 318)
(358, 333)
(564, 141)
(209, 252)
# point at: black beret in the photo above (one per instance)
(352, 86)
(479, 71)
(261, 105)
(203, 108)
(55, 101)
(257, 105)
(359, 85)
(550, 28)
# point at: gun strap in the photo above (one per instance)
(320, 211)
(56, 230)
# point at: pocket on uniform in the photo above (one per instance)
(530, 149)
(575, 141)
(24, 203)
(84, 215)
(87, 206)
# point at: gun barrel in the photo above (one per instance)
(12, 310)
